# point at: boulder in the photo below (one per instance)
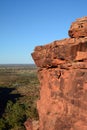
(31, 125)
(78, 28)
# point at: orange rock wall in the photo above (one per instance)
(63, 97)
(63, 84)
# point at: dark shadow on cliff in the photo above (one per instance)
(5, 95)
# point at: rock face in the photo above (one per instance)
(63, 81)
(79, 28)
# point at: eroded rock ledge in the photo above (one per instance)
(59, 52)
(63, 82)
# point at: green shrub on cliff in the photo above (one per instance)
(2, 124)
(13, 117)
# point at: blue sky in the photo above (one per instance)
(25, 24)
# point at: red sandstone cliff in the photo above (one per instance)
(63, 81)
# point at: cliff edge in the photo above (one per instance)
(63, 80)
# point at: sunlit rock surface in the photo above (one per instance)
(79, 28)
(63, 81)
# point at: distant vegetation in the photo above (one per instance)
(19, 91)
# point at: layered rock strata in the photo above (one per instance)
(63, 84)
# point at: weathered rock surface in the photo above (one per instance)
(63, 84)
(63, 102)
(31, 125)
(59, 52)
(79, 28)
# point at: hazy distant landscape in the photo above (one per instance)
(19, 90)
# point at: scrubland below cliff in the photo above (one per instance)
(19, 90)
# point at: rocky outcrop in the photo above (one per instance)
(79, 28)
(59, 52)
(63, 81)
